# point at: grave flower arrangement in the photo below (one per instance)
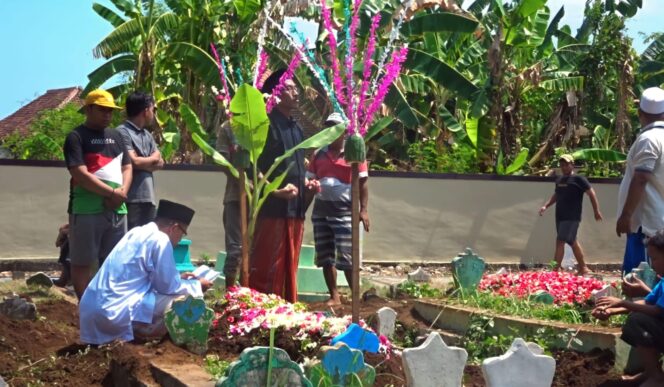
(566, 288)
(246, 310)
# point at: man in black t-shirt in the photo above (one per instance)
(568, 197)
(101, 173)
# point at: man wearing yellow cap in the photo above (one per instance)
(100, 170)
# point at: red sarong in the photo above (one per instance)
(275, 256)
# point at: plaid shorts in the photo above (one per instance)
(333, 240)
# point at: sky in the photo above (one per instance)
(47, 44)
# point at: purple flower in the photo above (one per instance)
(292, 66)
(332, 43)
(262, 66)
(368, 63)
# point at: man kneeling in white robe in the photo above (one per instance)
(138, 282)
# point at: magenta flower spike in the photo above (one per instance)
(292, 66)
(337, 81)
(352, 106)
(262, 66)
(368, 64)
(392, 71)
(226, 95)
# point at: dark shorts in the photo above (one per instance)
(333, 239)
(139, 214)
(642, 330)
(93, 236)
(567, 230)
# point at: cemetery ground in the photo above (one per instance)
(46, 351)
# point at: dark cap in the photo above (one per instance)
(272, 81)
(175, 211)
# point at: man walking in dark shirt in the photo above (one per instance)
(568, 197)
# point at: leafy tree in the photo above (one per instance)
(46, 135)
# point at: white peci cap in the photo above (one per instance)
(652, 101)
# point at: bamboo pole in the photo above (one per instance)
(244, 278)
(355, 202)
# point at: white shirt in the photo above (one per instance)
(646, 155)
(124, 288)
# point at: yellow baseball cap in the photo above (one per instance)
(567, 157)
(102, 98)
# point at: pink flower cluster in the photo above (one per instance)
(246, 309)
(563, 286)
(225, 95)
(263, 58)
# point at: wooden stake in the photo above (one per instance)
(355, 202)
(244, 278)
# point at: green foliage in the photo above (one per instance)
(416, 290)
(250, 122)
(428, 156)
(215, 366)
(47, 134)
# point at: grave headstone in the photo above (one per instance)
(434, 364)
(39, 279)
(543, 297)
(523, 365)
(419, 275)
(251, 370)
(606, 291)
(188, 323)
(358, 338)
(17, 308)
(340, 362)
(387, 319)
(467, 270)
(502, 271)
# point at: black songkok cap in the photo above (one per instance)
(272, 81)
(175, 211)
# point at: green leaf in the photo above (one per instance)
(191, 120)
(594, 154)
(400, 107)
(119, 40)
(216, 156)
(377, 127)
(109, 69)
(500, 168)
(518, 162)
(654, 50)
(529, 7)
(250, 122)
(108, 15)
(318, 140)
(441, 72)
(247, 9)
(472, 125)
(439, 22)
(195, 59)
(450, 121)
(271, 187)
(563, 84)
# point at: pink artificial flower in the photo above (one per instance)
(368, 64)
(332, 43)
(262, 66)
(286, 76)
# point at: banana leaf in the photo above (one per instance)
(594, 154)
(109, 69)
(250, 122)
(216, 156)
(439, 22)
(441, 72)
(191, 120)
(108, 15)
(518, 163)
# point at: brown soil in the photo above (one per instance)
(46, 350)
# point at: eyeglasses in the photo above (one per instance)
(184, 232)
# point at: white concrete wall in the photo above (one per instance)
(413, 219)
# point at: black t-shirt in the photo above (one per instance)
(569, 196)
(284, 133)
(103, 153)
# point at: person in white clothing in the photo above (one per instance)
(641, 194)
(138, 281)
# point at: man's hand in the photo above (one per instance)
(312, 185)
(609, 302)
(116, 199)
(541, 210)
(364, 218)
(205, 284)
(187, 275)
(632, 286)
(598, 216)
(287, 193)
(601, 313)
(624, 224)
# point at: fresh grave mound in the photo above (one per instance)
(244, 319)
(566, 288)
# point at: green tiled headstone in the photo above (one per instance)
(542, 296)
(188, 323)
(467, 270)
(251, 370)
